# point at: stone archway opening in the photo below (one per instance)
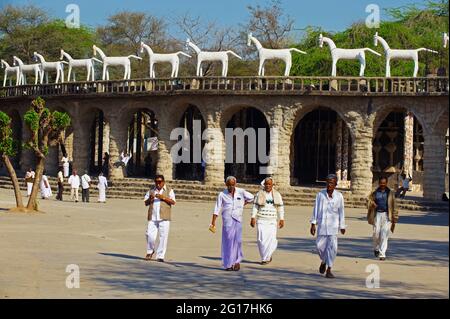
(142, 144)
(321, 146)
(194, 125)
(250, 146)
(398, 148)
(99, 145)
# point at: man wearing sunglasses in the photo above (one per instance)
(160, 200)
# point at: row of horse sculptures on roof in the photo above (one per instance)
(41, 69)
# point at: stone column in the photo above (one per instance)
(408, 151)
(165, 164)
(117, 144)
(106, 141)
(345, 154)
(80, 147)
(339, 149)
(280, 148)
(361, 174)
(27, 158)
(434, 167)
(214, 152)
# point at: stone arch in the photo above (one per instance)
(192, 146)
(329, 132)
(256, 161)
(398, 144)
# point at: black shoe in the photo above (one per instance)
(382, 258)
(377, 253)
(322, 268)
(160, 260)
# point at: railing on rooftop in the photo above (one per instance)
(241, 85)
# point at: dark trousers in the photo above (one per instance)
(85, 195)
(59, 196)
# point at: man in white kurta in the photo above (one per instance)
(29, 177)
(156, 223)
(102, 186)
(65, 164)
(46, 191)
(74, 181)
(267, 209)
(231, 203)
(329, 218)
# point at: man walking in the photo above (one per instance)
(329, 218)
(267, 208)
(29, 178)
(382, 214)
(74, 181)
(85, 185)
(231, 203)
(60, 178)
(102, 187)
(160, 200)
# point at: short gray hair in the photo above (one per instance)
(229, 178)
(268, 179)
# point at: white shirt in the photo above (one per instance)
(30, 174)
(328, 213)
(232, 206)
(85, 180)
(102, 182)
(157, 202)
(60, 177)
(74, 181)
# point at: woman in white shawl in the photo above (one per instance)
(102, 186)
(46, 191)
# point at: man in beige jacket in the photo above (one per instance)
(383, 215)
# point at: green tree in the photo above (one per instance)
(46, 128)
(8, 148)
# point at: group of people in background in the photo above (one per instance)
(74, 181)
(268, 215)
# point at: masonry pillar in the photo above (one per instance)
(165, 165)
(361, 174)
(434, 166)
(408, 154)
(117, 144)
(339, 149)
(214, 152)
(280, 148)
(345, 138)
(80, 151)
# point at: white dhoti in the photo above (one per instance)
(29, 188)
(102, 195)
(381, 231)
(66, 171)
(46, 192)
(151, 234)
(327, 247)
(267, 238)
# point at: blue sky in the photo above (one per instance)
(332, 15)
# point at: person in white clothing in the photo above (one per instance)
(85, 185)
(46, 191)
(329, 218)
(160, 200)
(74, 181)
(267, 208)
(29, 178)
(102, 186)
(65, 164)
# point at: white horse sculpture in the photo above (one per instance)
(203, 56)
(114, 61)
(392, 54)
(272, 54)
(28, 68)
(88, 64)
(445, 39)
(9, 71)
(346, 54)
(46, 67)
(171, 58)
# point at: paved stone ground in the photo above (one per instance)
(107, 242)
